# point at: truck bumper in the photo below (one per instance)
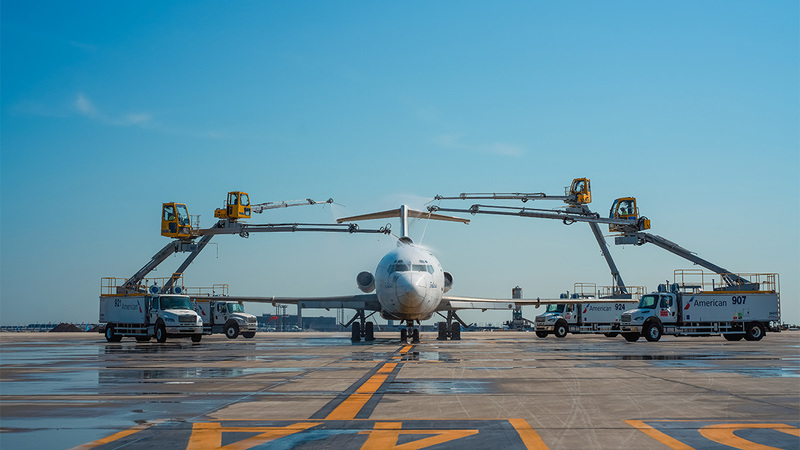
(544, 328)
(184, 330)
(630, 329)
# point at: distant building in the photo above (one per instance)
(272, 322)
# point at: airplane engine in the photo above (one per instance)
(448, 281)
(365, 282)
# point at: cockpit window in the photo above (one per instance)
(419, 268)
(401, 267)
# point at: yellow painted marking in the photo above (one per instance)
(405, 349)
(388, 425)
(723, 434)
(529, 437)
(207, 436)
(387, 368)
(371, 386)
(397, 357)
(112, 438)
(348, 409)
(657, 435)
(385, 436)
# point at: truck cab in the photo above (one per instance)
(648, 317)
(555, 319)
(172, 315)
(229, 317)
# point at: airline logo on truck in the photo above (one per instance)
(118, 303)
(706, 303)
(597, 308)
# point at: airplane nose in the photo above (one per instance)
(411, 289)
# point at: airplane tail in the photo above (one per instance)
(403, 213)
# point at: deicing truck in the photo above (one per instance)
(222, 316)
(146, 316)
(586, 314)
(740, 306)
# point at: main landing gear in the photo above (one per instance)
(451, 328)
(361, 328)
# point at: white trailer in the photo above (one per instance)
(224, 316)
(746, 309)
(146, 316)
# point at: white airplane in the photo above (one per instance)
(409, 285)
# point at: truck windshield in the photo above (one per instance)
(555, 308)
(176, 303)
(648, 302)
(235, 308)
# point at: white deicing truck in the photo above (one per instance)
(146, 316)
(737, 306)
(222, 316)
(587, 313)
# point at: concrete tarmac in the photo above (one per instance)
(317, 390)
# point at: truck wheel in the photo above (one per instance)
(541, 334)
(612, 334)
(249, 335)
(561, 329)
(733, 337)
(631, 337)
(232, 330)
(161, 333)
(652, 332)
(197, 337)
(754, 331)
(110, 335)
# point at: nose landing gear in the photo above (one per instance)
(410, 332)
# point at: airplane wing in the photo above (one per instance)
(457, 303)
(368, 302)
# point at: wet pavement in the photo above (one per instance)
(312, 390)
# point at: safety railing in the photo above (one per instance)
(111, 286)
(584, 290)
(633, 292)
(216, 290)
(696, 280)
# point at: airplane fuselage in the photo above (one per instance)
(409, 283)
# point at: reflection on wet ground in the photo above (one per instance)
(47, 386)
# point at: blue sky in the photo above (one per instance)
(110, 109)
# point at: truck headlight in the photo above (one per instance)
(551, 319)
(636, 319)
(169, 319)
